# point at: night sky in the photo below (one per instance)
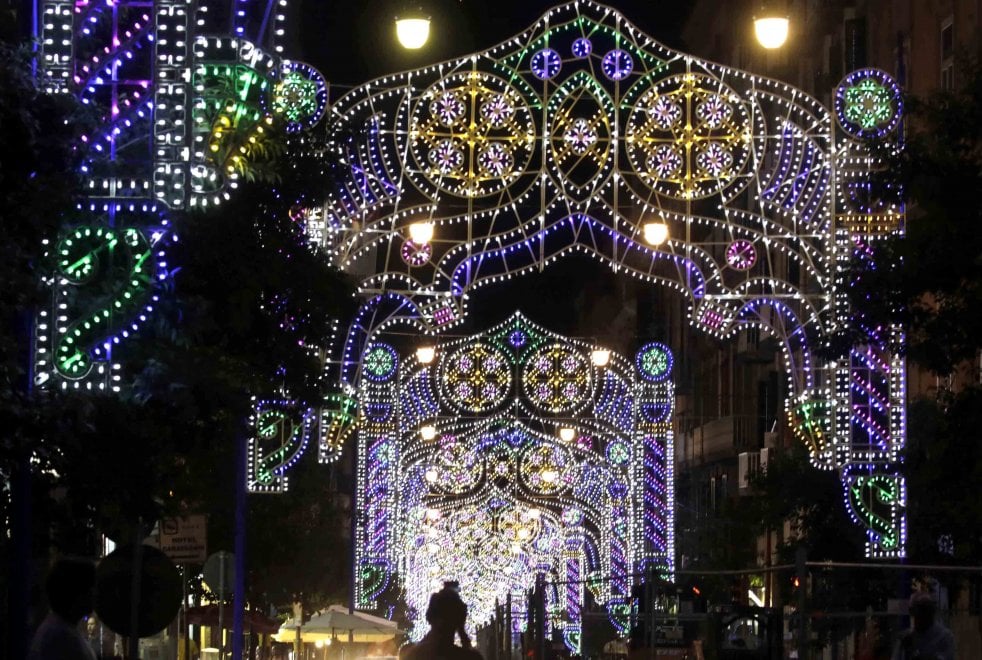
(352, 42)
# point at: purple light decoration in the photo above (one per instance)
(577, 229)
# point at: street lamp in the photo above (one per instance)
(421, 233)
(655, 233)
(771, 25)
(600, 357)
(413, 29)
(425, 354)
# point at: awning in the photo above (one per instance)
(336, 624)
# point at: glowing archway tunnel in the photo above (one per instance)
(516, 451)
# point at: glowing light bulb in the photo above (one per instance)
(655, 233)
(534, 514)
(431, 475)
(426, 354)
(549, 476)
(427, 432)
(413, 32)
(600, 357)
(566, 434)
(421, 233)
(771, 31)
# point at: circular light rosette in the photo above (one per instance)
(379, 362)
(654, 362)
(476, 378)
(868, 104)
(690, 136)
(300, 96)
(470, 135)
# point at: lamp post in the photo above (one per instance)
(771, 24)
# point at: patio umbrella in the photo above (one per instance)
(207, 615)
(335, 623)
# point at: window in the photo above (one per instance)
(948, 53)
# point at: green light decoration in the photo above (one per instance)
(380, 362)
(654, 361)
(812, 423)
(230, 108)
(875, 500)
(339, 419)
(122, 258)
(295, 97)
(869, 104)
(277, 427)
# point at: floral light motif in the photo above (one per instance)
(496, 160)
(447, 108)
(708, 127)
(557, 379)
(446, 157)
(476, 377)
(868, 103)
(581, 135)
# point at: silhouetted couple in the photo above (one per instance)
(447, 616)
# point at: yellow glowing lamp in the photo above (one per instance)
(771, 30)
(413, 31)
(655, 233)
(421, 233)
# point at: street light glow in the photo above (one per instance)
(421, 233)
(771, 31)
(655, 233)
(413, 32)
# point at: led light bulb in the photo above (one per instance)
(600, 357)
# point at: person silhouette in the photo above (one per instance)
(447, 616)
(70, 588)
(928, 639)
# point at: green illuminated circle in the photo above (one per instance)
(379, 362)
(869, 104)
(654, 361)
(295, 97)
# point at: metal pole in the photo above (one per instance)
(238, 578)
(134, 638)
(221, 605)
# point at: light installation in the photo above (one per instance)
(515, 161)
(535, 461)
(568, 138)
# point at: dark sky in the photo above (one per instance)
(354, 41)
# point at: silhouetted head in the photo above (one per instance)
(922, 610)
(70, 588)
(447, 612)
